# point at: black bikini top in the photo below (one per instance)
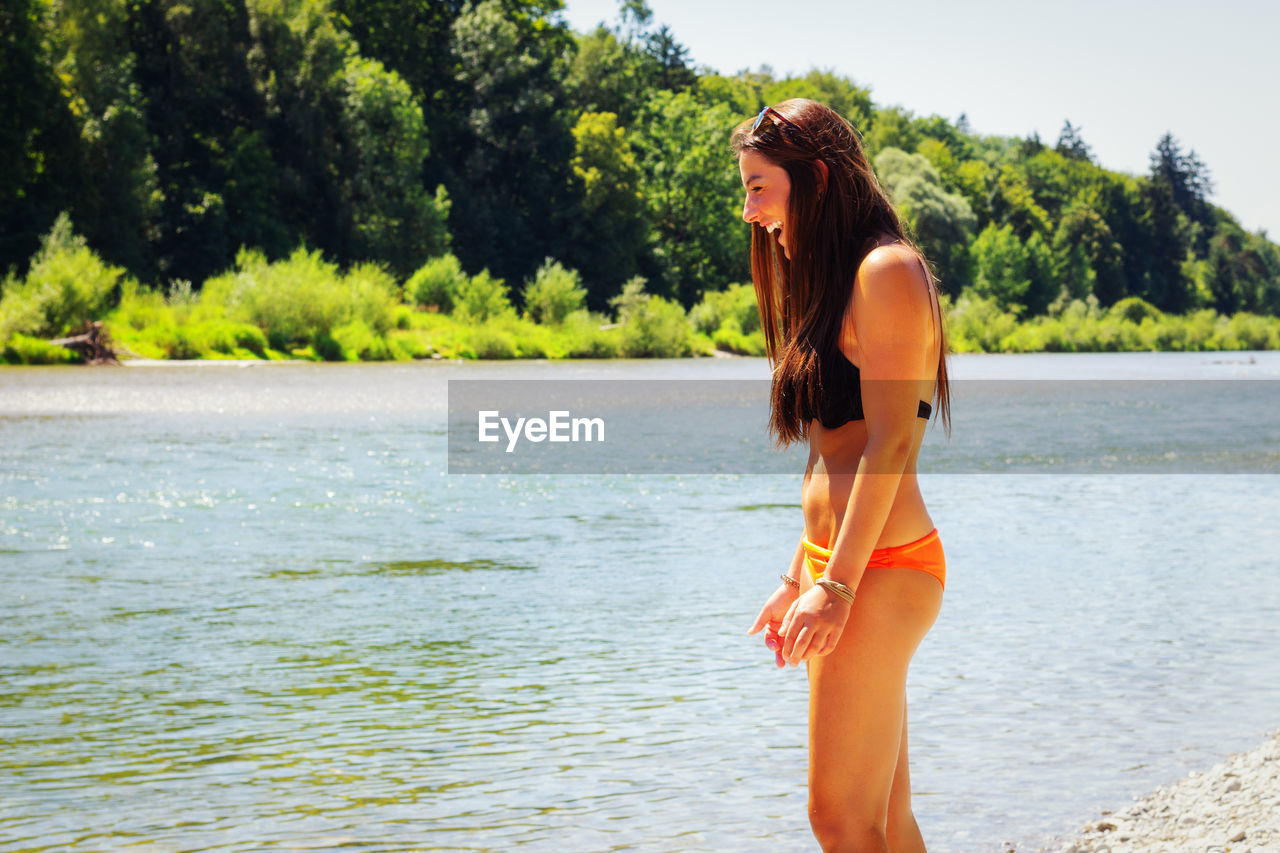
(840, 400)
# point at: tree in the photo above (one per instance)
(1031, 146)
(669, 67)
(1185, 178)
(1243, 270)
(602, 77)
(395, 219)
(1086, 257)
(609, 232)
(891, 127)
(1018, 275)
(511, 184)
(693, 194)
(1166, 240)
(839, 93)
(215, 179)
(1071, 144)
(1013, 202)
(299, 65)
(38, 139)
(414, 39)
(116, 210)
(942, 221)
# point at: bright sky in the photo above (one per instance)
(1123, 71)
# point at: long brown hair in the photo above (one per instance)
(831, 230)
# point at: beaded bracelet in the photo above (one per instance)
(836, 588)
(790, 581)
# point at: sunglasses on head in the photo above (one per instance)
(765, 111)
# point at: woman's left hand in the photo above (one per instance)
(813, 625)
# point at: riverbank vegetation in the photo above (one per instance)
(334, 179)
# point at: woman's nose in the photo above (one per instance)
(748, 214)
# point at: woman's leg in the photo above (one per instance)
(901, 828)
(857, 710)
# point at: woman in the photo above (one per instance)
(853, 331)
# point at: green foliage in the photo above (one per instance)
(942, 221)
(22, 349)
(893, 127)
(826, 87)
(39, 144)
(609, 232)
(482, 297)
(1087, 258)
(304, 300)
(976, 323)
(693, 192)
(1134, 310)
(652, 327)
(554, 293)
(66, 285)
(183, 326)
(632, 297)
(586, 336)
(730, 320)
(511, 179)
(395, 218)
(734, 305)
(437, 283)
(1017, 275)
(742, 96)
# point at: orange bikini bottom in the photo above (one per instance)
(923, 555)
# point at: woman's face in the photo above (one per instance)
(768, 190)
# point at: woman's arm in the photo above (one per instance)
(892, 317)
(893, 314)
(777, 606)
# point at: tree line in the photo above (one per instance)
(177, 134)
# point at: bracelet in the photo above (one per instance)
(790, 581)
(836, 588)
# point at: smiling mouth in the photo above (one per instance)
(773, 226)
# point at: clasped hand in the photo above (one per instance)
(800, 627)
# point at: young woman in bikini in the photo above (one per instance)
(854, 334)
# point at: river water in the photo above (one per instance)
(247, 607)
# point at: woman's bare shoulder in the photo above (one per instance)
(890, 261)
(892, 273)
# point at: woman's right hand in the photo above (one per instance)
(771, 616)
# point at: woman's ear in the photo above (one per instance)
(822, 176)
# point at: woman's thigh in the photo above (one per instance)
(857, 692)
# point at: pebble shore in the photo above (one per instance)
(1233, 808)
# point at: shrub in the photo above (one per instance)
(21, 349)
(491, 342)
(66, 285)
(586, 339)
(976, 324)
(303, 299)
(729, 337)
(656, 329)
(736, 303)
(481, 298)
(1134, 309)
(632, 298)
(436, 283)
(554, 293)
(360, 343)
(1245, 331)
